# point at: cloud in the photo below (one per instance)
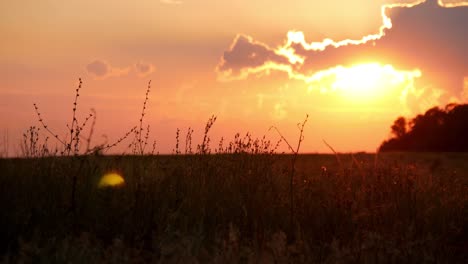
(426, 39)
(143, 69)
(245, 54)
(101, 69)
(98, 68)
(171, 2)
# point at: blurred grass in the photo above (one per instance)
(231, 208)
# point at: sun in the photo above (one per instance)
(364, 83)
(367, 81)
(361, 81)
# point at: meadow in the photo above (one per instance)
(236, 207)
(237, 202)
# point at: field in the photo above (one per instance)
(236, 207)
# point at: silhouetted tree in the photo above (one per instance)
(436, 130)
(399, 127)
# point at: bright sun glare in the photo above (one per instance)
(368, 81)
(360, 79)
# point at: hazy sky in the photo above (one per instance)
(253, 64)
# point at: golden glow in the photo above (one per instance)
(111, 180)
(360, 80)
(369, 81)
(365, 81)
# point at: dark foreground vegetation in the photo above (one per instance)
(436, 130)
(231, 208)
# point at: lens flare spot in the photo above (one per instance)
(111, 180)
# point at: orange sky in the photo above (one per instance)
(233, 59)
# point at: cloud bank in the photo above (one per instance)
(426, 39)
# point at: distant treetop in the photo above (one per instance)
(438, 130)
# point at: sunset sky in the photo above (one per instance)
(354, 66)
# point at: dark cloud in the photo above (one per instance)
(143, 68)
(101, 69)
(245, 53)
(98, 68)
(426, 36)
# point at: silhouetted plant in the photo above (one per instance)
(31, 145)
(71, 144)
(4, 144)
(140, 142)
(177, 150)
(295, 153)
(188, 141)
(204, 147)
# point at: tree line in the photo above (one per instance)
(437, 130)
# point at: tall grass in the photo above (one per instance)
(4, 144)
(237, 206)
